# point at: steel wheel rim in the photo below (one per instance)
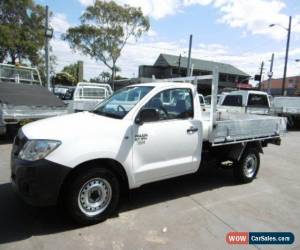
(94, 196)
(250, 165)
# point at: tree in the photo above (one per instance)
(41, 66)
(22, 31)
(104, 31)
(64, 78)
(72, 69)
(105, 76)
(102, 77)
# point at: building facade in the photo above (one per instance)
(292, 86)
(170, 66)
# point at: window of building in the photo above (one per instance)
(231, 78)
(222, 77)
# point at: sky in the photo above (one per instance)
(228, 31)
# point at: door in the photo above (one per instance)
(172, 145)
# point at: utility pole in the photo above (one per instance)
(270, 74)
(188, 72)
(80, 71)
(261, 72)
(179, 65)
(47, 58)
(286, 56)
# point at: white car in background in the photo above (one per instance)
(220, 97)
(287, 106)
(245, 101)
(87, 95)
(202, 102)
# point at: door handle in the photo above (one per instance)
(192, 130)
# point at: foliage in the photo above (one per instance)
(72, 69)
(41, 66)
(105, 29)
(22, 31)
(105, 76)
(64, 78)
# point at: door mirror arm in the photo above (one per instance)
(138, 120)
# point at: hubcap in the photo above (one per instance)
(250, 165)
(94, 196)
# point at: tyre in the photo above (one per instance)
(247, 168)
(290, 121)
(92, 196)
(12, 130)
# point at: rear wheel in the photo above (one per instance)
(247, 168)
(290, 121)
(92, 196)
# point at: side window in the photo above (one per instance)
(255, 100)
(233, 100)
(201, 100)
(173, 104)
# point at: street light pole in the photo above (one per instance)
(261, 72)
(188, 73)
(270, 74)
(283, 92)
(47, 50)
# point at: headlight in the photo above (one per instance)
(37, 149)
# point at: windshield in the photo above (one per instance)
(122, 101)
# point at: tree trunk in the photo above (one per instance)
(113, 71)
(12, 57)
(3, 55)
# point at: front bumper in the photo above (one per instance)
(38, 182)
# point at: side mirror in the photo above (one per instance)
(147, 115)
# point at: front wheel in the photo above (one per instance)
(247, 168)
(92, 196)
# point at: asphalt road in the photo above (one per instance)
(190, 212)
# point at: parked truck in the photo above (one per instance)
(125, 143)
(287, 106)
(246, 101)
(87, 95)
(24, 99)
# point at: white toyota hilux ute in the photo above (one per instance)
(85, 160)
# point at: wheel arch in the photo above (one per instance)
(237, 150)
(110, 164)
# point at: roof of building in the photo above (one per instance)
(198, 64)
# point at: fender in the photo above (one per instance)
(237, 150)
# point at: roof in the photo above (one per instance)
(172, 60)
(241, 92)
(165, 84)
